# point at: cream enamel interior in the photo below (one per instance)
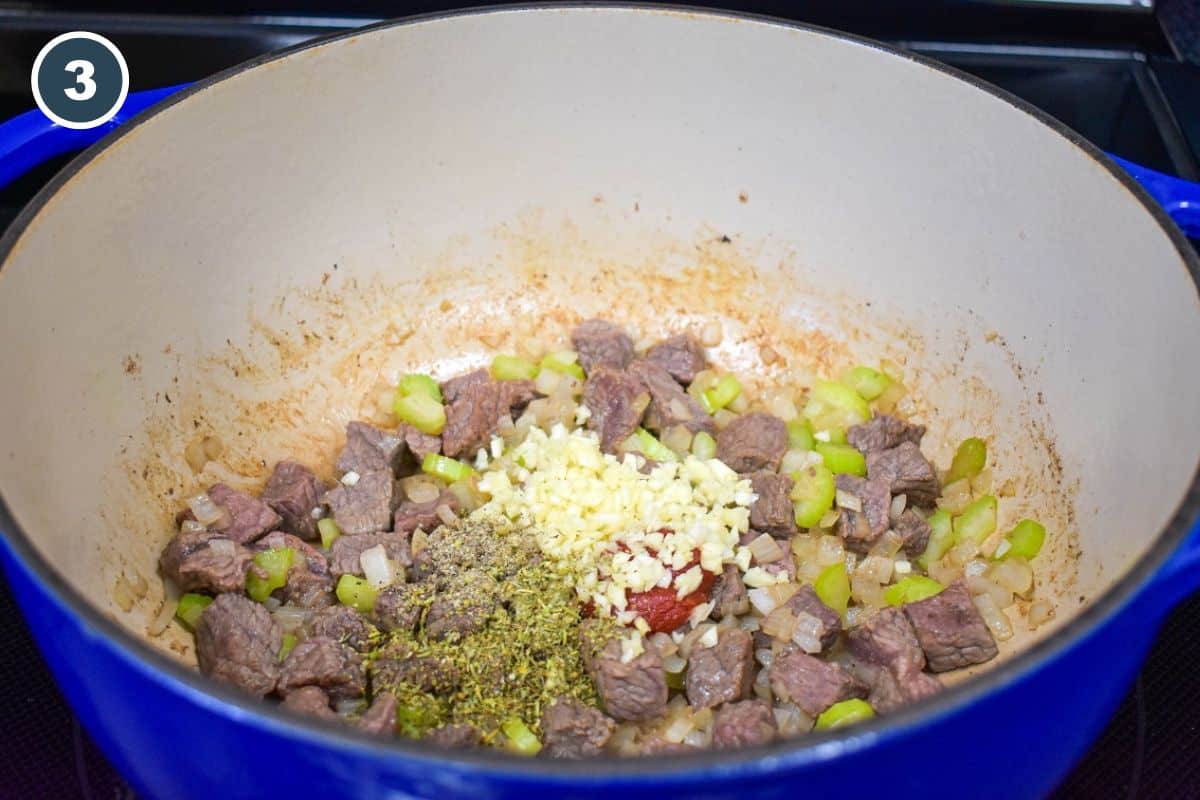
(271, 247)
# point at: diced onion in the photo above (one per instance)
(1040, 612)
(377, 567)
(807, 632)
(419, 541)
(166, 611)
(291, 618)
(1001, 597)
(796, 460)
(674, 664)
(223, 547)
(445, 514)
(1013, 574)
(764, 656)
(192, 526)
(993, 617)
(888, 545)
(899, 502)
(547, 381)
(956, 496)
(830, 550)
(710, 334)
(766, 550)
(848, 501)
(350, 478)
(780, 623)
(421, 488)
(791, 721)
(678, 438)
(877, 569)
(205, 511)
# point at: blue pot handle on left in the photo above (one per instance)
(31, 138)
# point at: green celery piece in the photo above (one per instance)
(720, 394)
(832, 436)
(833, 587)
(421, 411)
(800, 435)
(704, 446)
(969, 460)
(446, 468)
(519, 739)
(511, 368)
(911, 589)
(844, 713)
(842, 459)
(329, 531)
(652, 448)
(941, 538)
(869, 383)
(812, 494)
(1025, 540)
(834, 405)
(190, 607)
(419, 384)
(276, 563)
(357, 593)
(977, 521)
(289, 641)
(564, 361)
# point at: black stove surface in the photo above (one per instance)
(1120, 84)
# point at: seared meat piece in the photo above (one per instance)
(457, 735)
(369, 449)
(463, 607)
(381, 716)
(419, 444)
(324, 662)
(883, 433)
(773, 511)
(861, 529)
(681, 356)
(456, 386)
(914, 530)
(345, 555)
(399, 607)
(669, 405)
(238, 642)
(249, 517)
(636, 690)
(601, 343)
(805, 601)
(366, 506)
(950, 629)
(409, 515)
(474, 407)
(753, 442)
(721, 673)
(729, 595)
(397, 667)
(342, 624)
(310, 700)
(887, 649)
(812, 684)
(742, 724)
(191, 562)
(309, 583)
(292, 492)
(571, 729)
(617, 400)
(906, 472)
(890, 691)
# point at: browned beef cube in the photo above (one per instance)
(399, 607)
(886, 639)
(681, 356)
(906, 472)
(293, 492)
(636, 690)
(772, 511)
(310, 700)
(457, 735)
(616, 400)
(369, 449)
(409, 515)
(829, 622)
(309, 583)
(743, 724)
(572, 730)
(345, 555)
(398, 667)
(914, 530)
(474, 409)
(249, 517)
(463, 607)
(367, 505)
(729, 595)
(380, 717)
(323, 662)
(342, 624)
(721, 673)
(670, 405)
(883, 433)
(238, 642)
(890, 691)
(456, 386)
(601, 343)
(950, 629)
(753, 442)
(190, 561)
(812, 684)
(419, 444)
(861, 529)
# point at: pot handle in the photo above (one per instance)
(31, 138)
(1179, 198)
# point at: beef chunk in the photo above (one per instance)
(805, 601)
(192, 564)
(886, 639)
(249, 517)
(681, 356)
(616, 400)
(292, 492)
(323, 662)
(950, 629)
(342, 624)
(309, 583)
(743, 724)
(729, 596)
(456, 386)
(721, 673)
(369, 449)
(398, 667)
(883, 433)
(365, 507)
(906, 472)
(753, 442)
(669, 404)
(310, 700)
(812, 684)
(861, 529)
(409, 515)
(914, 530)
(628, 691)
(890, 691)
(474, 410)
(463, 607)
(601, 343)
(380, 717)
(773, 511)
(238, 642)
(458, 735)
(399, 607)
(572, 730)
(347, 550)
(419, 444)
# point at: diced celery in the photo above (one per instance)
(190, 607)
(652, 448)
(419, 384)
(842, 459)
(446, 468)
(813, 493)
(675, 680)
(833, 587)
(276, 563)
(421, 411)
(831, 436)
(835, 405)
(357, 593)
(511, 368)
(869, 383)
(289, 641)
(1025, 540)
(564, 361)
(969, 460)
(941, 538)
(844, 713)
(800, 435)
(977, 521)
(704, 446)
(519, 739)
(910, 590)
(329, 531)
(720, 394)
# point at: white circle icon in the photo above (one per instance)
(79, 80)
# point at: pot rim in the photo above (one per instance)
(747, 762)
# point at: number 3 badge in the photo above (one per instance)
(80, 80)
